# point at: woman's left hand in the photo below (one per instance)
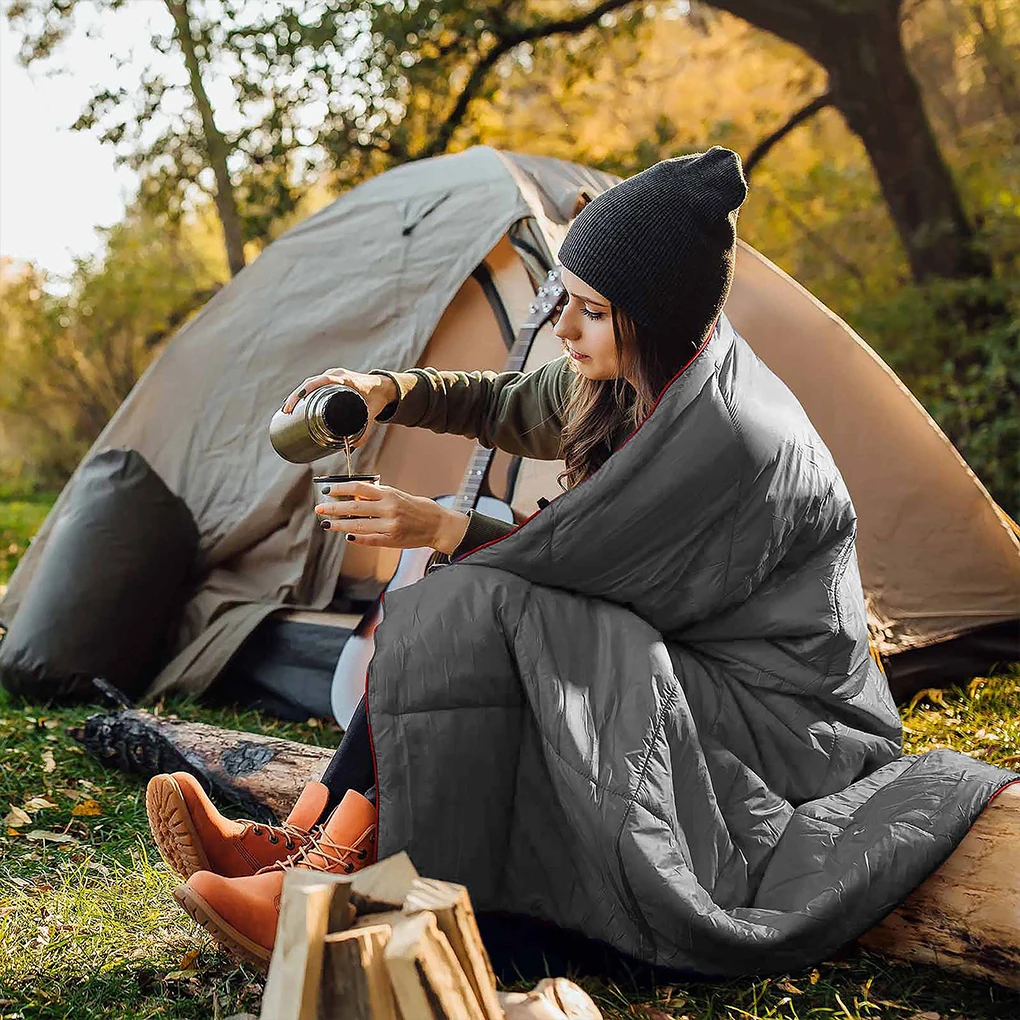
(384, 516)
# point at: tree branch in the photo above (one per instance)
(764, 147)
(531, 33)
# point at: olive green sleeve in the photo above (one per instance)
(480, 530)
(519, 412)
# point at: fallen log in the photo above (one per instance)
(966, 916)
(260, 776)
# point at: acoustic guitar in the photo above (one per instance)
(351, 673)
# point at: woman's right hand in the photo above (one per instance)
(378, 390)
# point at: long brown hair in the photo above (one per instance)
(597, 408)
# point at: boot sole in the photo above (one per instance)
(172, 828)
(225, 934)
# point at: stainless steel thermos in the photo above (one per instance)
(321, 423)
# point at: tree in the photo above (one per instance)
(245, 172)
(870, 82)
(71, 358)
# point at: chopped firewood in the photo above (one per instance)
(341, 910)
(390, 917)
(427, 979)
(551, 999)
(451, 905)
(966, 916)
(382, 886)
(355, 981)
(295, 970)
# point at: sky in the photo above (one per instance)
(57, 185)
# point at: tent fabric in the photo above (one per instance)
(364, 282)
(664, 714)
(938, 557)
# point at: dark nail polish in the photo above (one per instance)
(325, 490)
(324, 525)
(350, 537)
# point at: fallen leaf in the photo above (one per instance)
(87, 808)
(37, 804)
(45, 836)
(189, 958)
(13, 832)
(789, 986)
(48, 761)
(179, 975)
(815, 976)
(72, 794)
(17, 817)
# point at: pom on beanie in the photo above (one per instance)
(661, 244)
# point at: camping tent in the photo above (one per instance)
(436, 262)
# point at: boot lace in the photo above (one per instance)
(291, 833)
(336, 855)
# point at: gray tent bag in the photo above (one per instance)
(107, 594)
(649, 714)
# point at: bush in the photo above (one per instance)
(956, 344)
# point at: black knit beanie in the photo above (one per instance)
(661, 244)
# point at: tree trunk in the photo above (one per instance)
(216, 144)
(872, 86)
(260, 776)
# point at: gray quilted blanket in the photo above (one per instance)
(650, 714)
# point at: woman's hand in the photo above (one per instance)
(383, 516)
(378, 391)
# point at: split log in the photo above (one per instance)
(550, 999)
(355, 981)
(451, 905)
(426, 977)
(295, 970)
(341, 913)
(383, 886)
(262, 777)
(966, 916)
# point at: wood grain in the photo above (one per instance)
(966, 916)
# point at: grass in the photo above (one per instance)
(88, 928)
(19, 520)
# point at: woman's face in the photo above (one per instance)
(585, 327)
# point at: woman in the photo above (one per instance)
(628, 330)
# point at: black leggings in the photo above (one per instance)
(351, 767)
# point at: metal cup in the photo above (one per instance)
(319, 481)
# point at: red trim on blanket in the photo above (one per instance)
(1012, 782)
(371, 739)
(694, 358)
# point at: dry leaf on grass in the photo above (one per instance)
(45, 836)
(48, 761)
(789, 986)
(87, 809)
(37, 804)
(188, 959)
(815, 976)
(17, 817)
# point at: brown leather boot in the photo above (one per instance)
(193, 836)
(242, 913)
